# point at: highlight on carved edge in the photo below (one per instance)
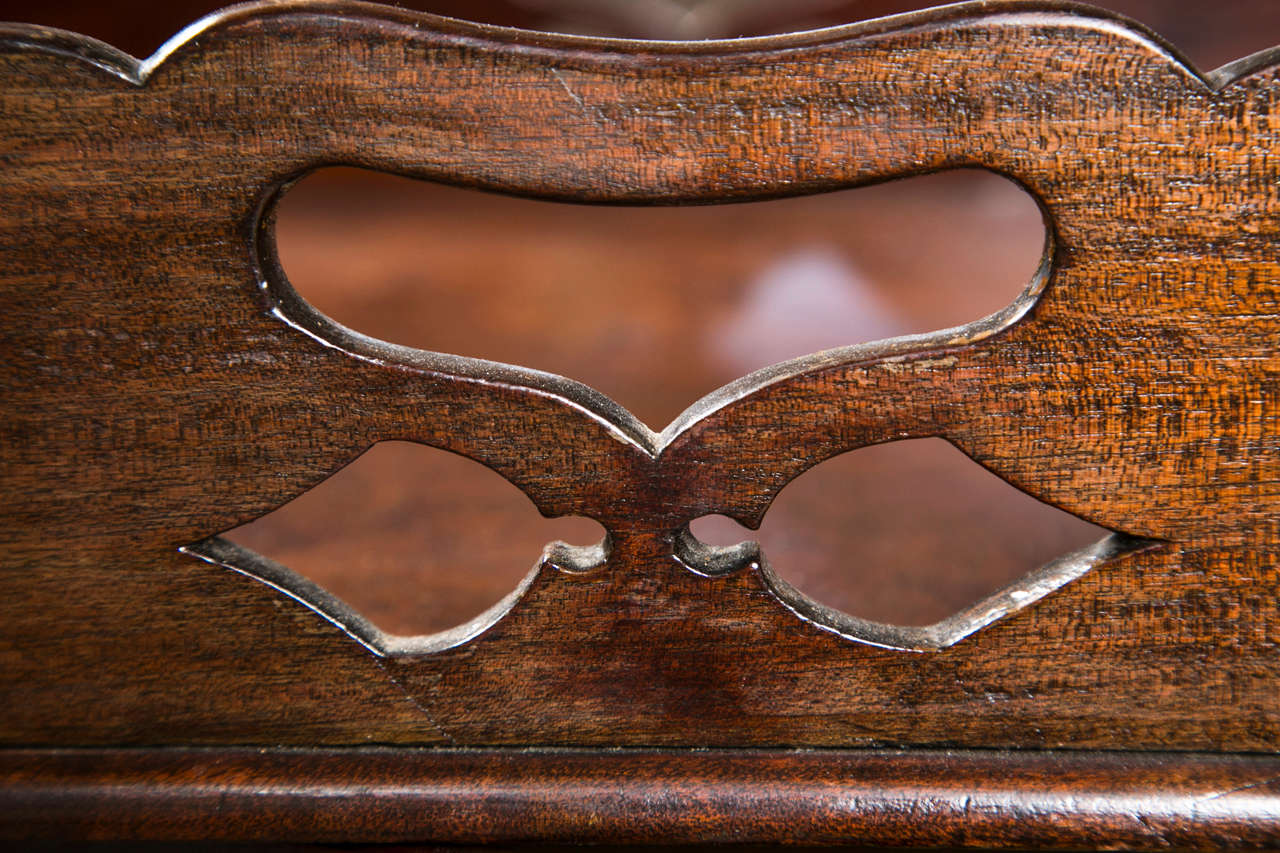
(928, 547)
(407, 548)
(655, 307)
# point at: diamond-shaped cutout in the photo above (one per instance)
(914, 535)
(415, 540)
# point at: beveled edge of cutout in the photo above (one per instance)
(887, 350)
(224, 553)
(720, 561)
(293, 309)
(697, 557)
(1006, 601)
(288, 306)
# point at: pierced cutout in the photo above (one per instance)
(655, 307)
(907, 534)
(416, 540)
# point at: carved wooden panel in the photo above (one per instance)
(163, 383)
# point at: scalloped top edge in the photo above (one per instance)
(137, 71)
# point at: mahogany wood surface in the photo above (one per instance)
(164, 383)
(907, 798)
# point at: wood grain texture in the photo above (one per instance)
(165, 384)
(914, 798)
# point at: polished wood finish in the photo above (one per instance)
(908, 798)
(165, 383)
